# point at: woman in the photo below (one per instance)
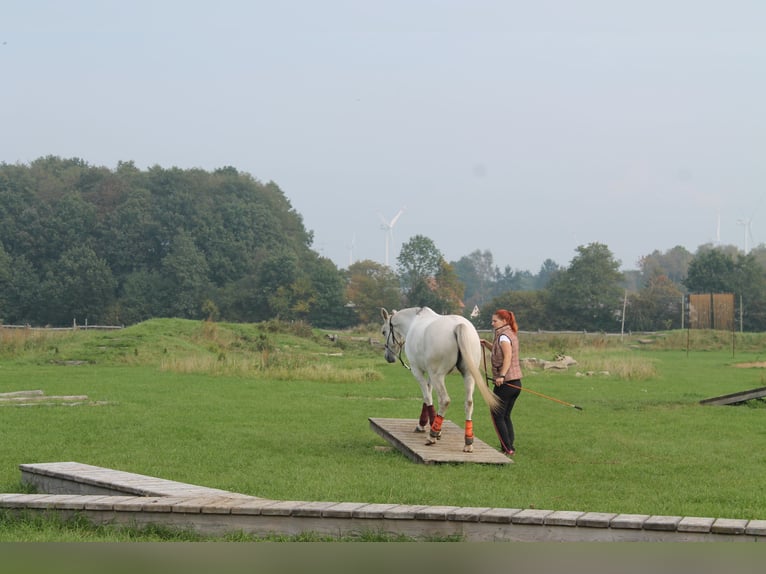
(506, 374)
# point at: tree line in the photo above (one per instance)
(118, 246)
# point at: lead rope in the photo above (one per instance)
(484, 357)
(392, 336)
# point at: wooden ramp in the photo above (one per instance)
(736, 398)
(449, 448)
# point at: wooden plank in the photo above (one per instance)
(36, 393)
(735, 398)
(401, 434)
(43, 398)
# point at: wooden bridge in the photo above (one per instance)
(449, 448)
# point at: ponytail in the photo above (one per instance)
(509, 318)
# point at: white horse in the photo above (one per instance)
(435, 345)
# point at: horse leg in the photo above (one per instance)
(468, 380)
(444, 400)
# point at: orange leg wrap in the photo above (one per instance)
(436, 428)
(468, 429)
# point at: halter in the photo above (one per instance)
(392, 337)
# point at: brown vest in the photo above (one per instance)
(514, 373)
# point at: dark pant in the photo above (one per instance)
(502, 418)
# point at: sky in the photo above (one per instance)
(523, 128)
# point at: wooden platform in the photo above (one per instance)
(449, 448)
(736, 398)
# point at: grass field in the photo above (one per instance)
(281, 412)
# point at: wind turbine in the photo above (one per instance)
(388, 227)
(748, 234)
(718, 230)
(746, 224)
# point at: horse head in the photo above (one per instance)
(393, 341)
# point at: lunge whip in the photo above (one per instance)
(489, 378)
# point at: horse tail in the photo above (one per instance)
(463, 342)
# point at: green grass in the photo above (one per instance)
(294, 423)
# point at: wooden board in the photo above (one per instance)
(449, 448)
(735, 398)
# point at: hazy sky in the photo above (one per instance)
(526, 128)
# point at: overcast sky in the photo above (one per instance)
(525, 128)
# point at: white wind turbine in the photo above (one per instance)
(746, 231)
(745, 223)
(388, 227)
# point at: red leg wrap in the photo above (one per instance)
(423, 415)
(432, 415)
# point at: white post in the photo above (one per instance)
(624, 306)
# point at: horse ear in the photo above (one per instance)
(384, 313)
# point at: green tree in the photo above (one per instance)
(133, 236)
(448, 291)
(657, 306)
(711, 271)
(587, 295)
(548, 270)
(750, 284)
(719, 271)
(371, 286)
(5, 284)
(184, 270)
(418, 263)
(23, 297)
(141, 296)
(673, 264)
(275, 283)
(477, 273)
(529, 308)
(329, 302)
(82, 288)
(513, 280)
(178, 243)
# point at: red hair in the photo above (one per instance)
(509, 318)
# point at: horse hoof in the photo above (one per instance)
(430, 442)
(468, 448)
(419, 429)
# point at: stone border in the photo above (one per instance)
(106, 496)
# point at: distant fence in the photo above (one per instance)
(74, 327)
